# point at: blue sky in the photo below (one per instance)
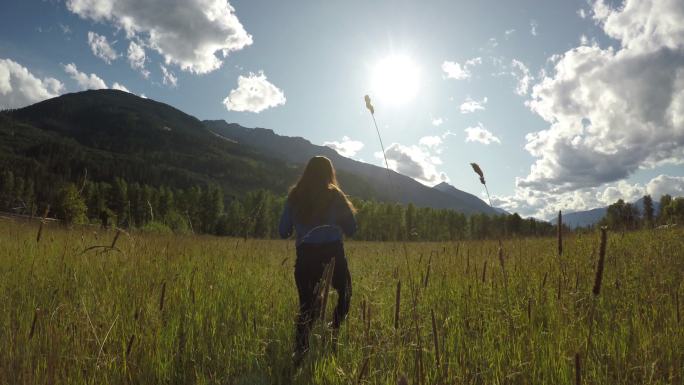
(531, 90)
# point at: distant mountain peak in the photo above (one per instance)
(442, 185)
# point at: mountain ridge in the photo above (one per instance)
(395, 187)
(112, 133)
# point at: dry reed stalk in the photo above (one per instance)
(435, 338)
(677, 306)
(529, 309)
(599, 269)
(363, 311)
(597, 283)
(427, 273)
(477, 275)
(560, 233)
(578, 370)
(116, 238)
(129, 346)
(42, 222)
(364, 365)
(33, 323)
(327, 276)
(484, 271)
(396, 306)
(502, 262)
(161, 296)
(467, 262)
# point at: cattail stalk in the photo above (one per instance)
(560, 233)
(599, 269)
(364, 365)
(677, 306)
(578, 370)
(33, 323)
(435, 338)
(396, 306)
(116, 238)
(427, 273)
(161, 296)
(502, 262)
(42, 222)
(327, 276)
(597, 283)
(129, 346)
(484, 271)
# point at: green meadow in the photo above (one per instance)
(88, 306)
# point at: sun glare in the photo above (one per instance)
(395, 80)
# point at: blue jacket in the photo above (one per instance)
(339, 219)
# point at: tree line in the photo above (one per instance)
(627, 216)
(206, 210)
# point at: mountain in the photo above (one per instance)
(103, 134)
(395, 187)
(465, 197)
(584, 218)
(113, 133)
(593, 216)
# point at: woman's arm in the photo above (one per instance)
(346, 219)
(285, 226)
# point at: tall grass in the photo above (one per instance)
(205, 310)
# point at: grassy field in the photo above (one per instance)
(206, 310)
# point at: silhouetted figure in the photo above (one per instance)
(319, 212)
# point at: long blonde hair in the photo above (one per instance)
(315, 191)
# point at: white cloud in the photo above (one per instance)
(582, 13)
(19, 87)
(101, 47)
(169, 78)
(665, 184)
(533, 27)
(416, 162)
(254, 94)
(522, 74)
(456, 71)
(543, 204)
(480, 134)
(644, 25)
(473, 62)
(188, 33)
(120, 87)
(437, 122)
(430, 141)
(508, 32)
(136, 58)
(470, 105)
(612, 111)
(84, 81)
(347, 147)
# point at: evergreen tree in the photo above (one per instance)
(70, 207)
(648, 210)
(665, 201)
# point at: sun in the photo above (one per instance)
(395, 80)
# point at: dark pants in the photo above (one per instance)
(311, 261)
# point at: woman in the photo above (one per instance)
(319, 212)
